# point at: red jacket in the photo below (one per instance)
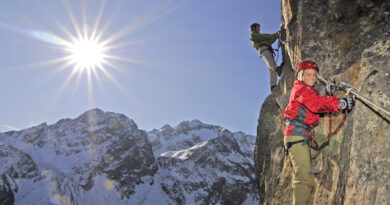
(304, 107)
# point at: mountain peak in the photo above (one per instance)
(91, 114)
(166, 128)
(193, 124)
(96, 116)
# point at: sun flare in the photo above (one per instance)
(90, 51)
(86, 54)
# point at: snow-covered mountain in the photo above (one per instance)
(103, 158)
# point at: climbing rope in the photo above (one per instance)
(280, 40)
(330, 134)
(314, 144)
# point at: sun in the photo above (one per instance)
(90, 50)
(86, 53)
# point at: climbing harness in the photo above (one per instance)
(306, 128)
(308, 135)
(273, 50)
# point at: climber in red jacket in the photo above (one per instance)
(302, 114)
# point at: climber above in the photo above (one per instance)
(302, 114)
(263, 44)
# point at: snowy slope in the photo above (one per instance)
(103, 158)
(183, 136)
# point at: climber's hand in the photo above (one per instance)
(347, 103)
(330, 87)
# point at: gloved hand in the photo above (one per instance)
(330, 87)
(347, 103)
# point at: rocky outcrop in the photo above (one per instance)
(350, 41)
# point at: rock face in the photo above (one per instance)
(350, 41)
(103, 158)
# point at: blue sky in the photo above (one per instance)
(184, 60)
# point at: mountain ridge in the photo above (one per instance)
(104, 157)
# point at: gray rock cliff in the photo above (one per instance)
(350, 41)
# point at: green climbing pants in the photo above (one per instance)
(303, 178)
